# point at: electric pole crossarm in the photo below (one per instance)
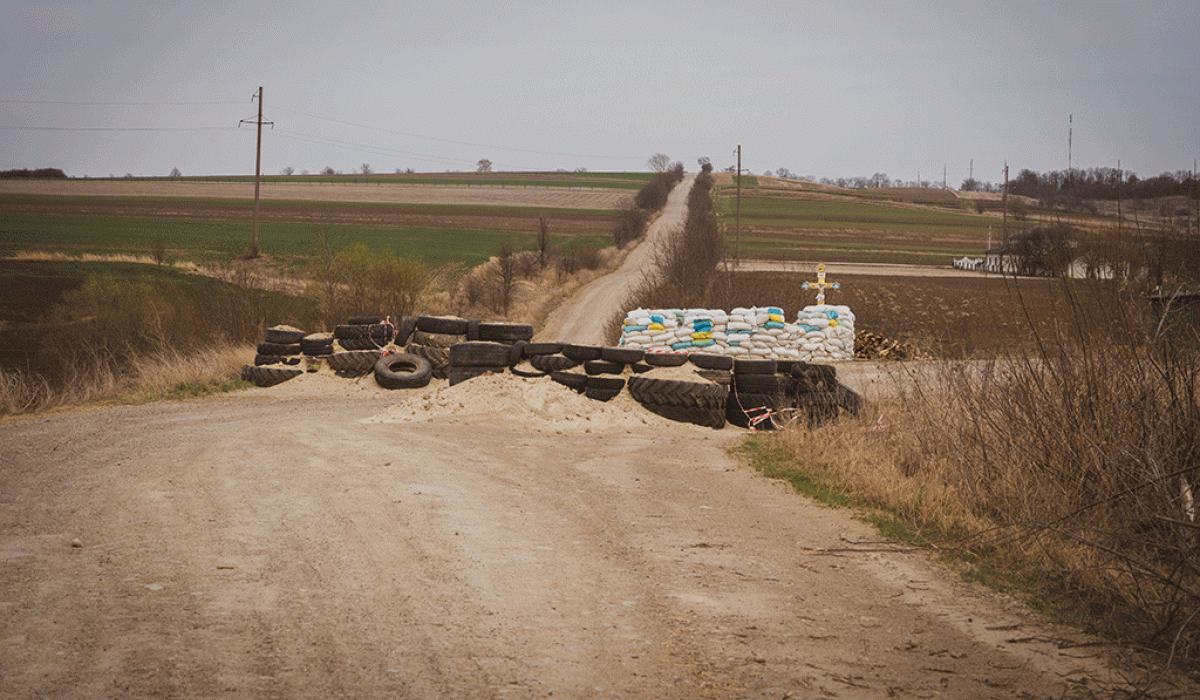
(257, 166)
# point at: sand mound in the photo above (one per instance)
(537, 405)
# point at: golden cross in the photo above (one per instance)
(821, 285)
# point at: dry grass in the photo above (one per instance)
(1064, 471)
(166, 374)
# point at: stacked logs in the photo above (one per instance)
(872, 346)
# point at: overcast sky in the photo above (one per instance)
(825, 89)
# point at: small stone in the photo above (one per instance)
(76, 543)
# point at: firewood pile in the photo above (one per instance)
(872, 346)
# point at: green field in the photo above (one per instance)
(631, 181)
(199, 238)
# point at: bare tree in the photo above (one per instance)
(483, 166)
(659, 162)
(289, 170)
(505, 279)
(175, 174)
(328, 170)
(158, 250)
(543, 242)
(365, 168)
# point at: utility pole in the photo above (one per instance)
(1004, 205)
(737, 249)
(257, 167)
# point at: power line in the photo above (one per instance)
(115, 104)
(453, 141)
(116, 128)
(366, 148)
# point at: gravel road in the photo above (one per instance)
(281, 543)
(581, 319)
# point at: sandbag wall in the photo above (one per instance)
(823, 333)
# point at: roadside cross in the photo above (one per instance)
(820, 285)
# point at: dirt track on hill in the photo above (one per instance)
(581, 319)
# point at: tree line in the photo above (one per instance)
(27, 174)
(1101, 183)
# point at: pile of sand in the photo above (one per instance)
(534, 404)
(537, 405)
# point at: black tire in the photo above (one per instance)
(436, 340)
(848, 399)
(283, 336)
(402, 371)
(480, 353)
(535, 349)
(505, 332)
(473, 329)
(552, 363)
(362, 343)
(516, 352)
(593, 367)
(752, 365)
(625, 356)
(785, 366)
(439, 358)
(578, 382)
(640, 368)
(758, 383)
(316, 344)
(814, 378)
(379, 331)
(268, 376)
(279, 349)
(708, 417)
(716, 376)
(404, 330)
(581, 353)
(743, 407)
(818, 408)
(353, 362)
(457, 375)
(704, 360)
(601, 394)
(700, 403)
(448, 325)
(365, 320)
(672, 392)
(665, 359)
(804, 369)
(601, 388)
(260, 360)
(517, 371)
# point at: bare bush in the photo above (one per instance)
(355, 281)
(1069, 466)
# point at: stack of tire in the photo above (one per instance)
(276, 358)
(431, 338)
(486, 348)
(359, 344)
(701, 403)
(761, 389)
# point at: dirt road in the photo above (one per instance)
(301, 543)
(582, 318)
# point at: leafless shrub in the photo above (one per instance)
(1073, 461)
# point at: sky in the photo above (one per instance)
(823, 89)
